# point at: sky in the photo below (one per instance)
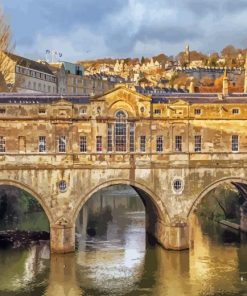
(90, 29)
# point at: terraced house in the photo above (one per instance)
(27, 76)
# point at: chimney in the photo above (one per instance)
(225, 89)
(192, 87)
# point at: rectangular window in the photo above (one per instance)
(178, 143)
(62, 144)
(42, 144)
(109, 137)
(157, 111)
(2, 111)
(198, 143)
(159, 144)
(83, 144)
(235, 111)
(197, 111)
(235, 143)
(132, 137)
(2, 144)
(99, 143)
(120, 136)
(42, 111)
(143, 143)
(83, 111)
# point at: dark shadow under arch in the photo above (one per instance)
(156, 202)
(237, 182)
(33, 193)
(154, 208)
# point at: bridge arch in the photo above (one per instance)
(210, 187)
(151, 201)
(32, 192)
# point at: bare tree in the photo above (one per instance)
(5, 46)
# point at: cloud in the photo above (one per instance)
(119, 28)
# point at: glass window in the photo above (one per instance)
(99, 143)
(157, 111)
(62, 144)
(83, 144)
(197, 111)
(235, 143)
(120, 132)
(42, 111)
(143, 143)
(2, 144)
(42, 144)
(235, 111)
(178, 143)
(109, 137)
(62, 186)
(177, 185)
(159, 143)
(2, 111)
(132, 137)
(83, 111)
(198, 143)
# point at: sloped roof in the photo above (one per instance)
(24, 62)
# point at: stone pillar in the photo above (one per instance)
(62, 239)
(174, 236)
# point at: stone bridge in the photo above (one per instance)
(172, 150)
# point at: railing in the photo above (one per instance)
(122, 160)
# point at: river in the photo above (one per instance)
(115, 259)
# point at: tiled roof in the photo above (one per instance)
(168, 98)
(15, 98)
(24, 62)
(200, 98)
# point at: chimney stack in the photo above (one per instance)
(225, 90)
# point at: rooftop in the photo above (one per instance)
(24, 62)
(168, 98)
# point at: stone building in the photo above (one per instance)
(27, 76)
(172, 148)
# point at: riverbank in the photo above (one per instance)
(21, 239)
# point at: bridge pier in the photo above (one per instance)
(243, 217)
(62, 239)
(173, 237)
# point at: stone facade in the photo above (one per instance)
(172, 150)
(27, 76)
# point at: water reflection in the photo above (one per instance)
(118, 260)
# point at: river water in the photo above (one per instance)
(114, 258)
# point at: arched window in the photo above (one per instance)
(120, 132)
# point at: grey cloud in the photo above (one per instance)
(205, 24)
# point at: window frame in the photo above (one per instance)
(235, 146)
(2, 144)
(99, 145)
(197, 145)
(159, 144)
(62, 144)
(142, 143)
(83, 144)
(42, 144)
(178, 143)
